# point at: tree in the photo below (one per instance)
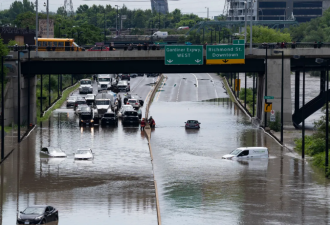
(82, 9)
(61, 11)
(262, 34)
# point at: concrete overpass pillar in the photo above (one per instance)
(11, 105)
(274, 87)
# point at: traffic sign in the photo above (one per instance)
(225, 54)
(268, 106)
(272, 118)
(238, 42)
(272, 112)
(268, 97)
(237, 84)
(183, 55)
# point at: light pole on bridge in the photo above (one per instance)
(282, 78)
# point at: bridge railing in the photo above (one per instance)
(299, 45)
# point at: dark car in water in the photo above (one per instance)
(140, 74)
(133, 75)
(130, 117)
(125, 76)
(109, 118)
(38, 214)
(192, 124)
(152, 74)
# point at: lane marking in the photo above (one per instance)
(137, 84)
(177, 96)
(215, 90)
(161, 88)
(196, 86)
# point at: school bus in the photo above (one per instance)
(58, 44)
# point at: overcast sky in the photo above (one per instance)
(186, 6)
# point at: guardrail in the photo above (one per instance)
(152, 95)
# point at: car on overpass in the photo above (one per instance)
(125, 76)
(99, 49)
(133, 75)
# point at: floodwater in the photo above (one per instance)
(117, 187)
(196, 186)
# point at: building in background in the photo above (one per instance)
(21, 36)
(236, 10)
(159, 6)
(300, 10)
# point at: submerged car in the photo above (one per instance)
(71, 101)
(248, 153)
(52, 152)
(84, 154)
(130, 117)
(133, 75)
(81, 108)
(192, 124)
(124, 108)
(38, 214)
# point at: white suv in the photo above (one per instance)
(134, 102)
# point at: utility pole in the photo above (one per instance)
(207, 12)
(251, 30)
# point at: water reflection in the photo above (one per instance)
(117, 186)
(196, 186)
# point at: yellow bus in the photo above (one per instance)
(58, 44)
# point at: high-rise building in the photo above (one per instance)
(159, 6)
(300, 10)
(237, 10)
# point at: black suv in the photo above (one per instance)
(125, 76)
(109, 118)
(133, 96)
(130, 117)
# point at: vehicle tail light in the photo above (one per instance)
(135, 103)
(127, 103)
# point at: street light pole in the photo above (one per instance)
(251, 31)
(2, 112)
(37, 24)
(117, 21)
(159, 16)
(47, 18)
(104, 25)
(245, 18)
(282, 95)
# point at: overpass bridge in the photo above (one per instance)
(153, 62)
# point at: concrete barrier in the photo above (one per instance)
(147, 131)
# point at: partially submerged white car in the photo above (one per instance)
(247, 153)
(52, 152)
(84, 154)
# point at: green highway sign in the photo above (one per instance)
(238, 42)
(268, 97)
(225, 54)
(183, 55)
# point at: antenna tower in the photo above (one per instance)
(68, 7)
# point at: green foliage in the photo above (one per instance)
(249, 97)
(317, 29)
(262, 34)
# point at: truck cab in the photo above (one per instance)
(85, 86)
(103, 102)
(104, 82)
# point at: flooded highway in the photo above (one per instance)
(195, 185)
(115, 188)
